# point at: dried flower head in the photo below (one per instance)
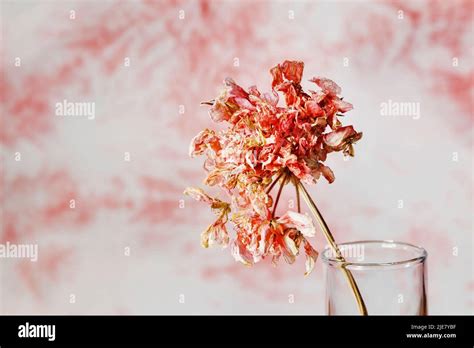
(264, 141)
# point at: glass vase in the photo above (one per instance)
(391, 277)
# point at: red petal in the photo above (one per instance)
(313, 109)
(234, 89)
(328, 173)
(277, 76)
(291, 97)
(293, 70)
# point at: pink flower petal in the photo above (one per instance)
(327, 85)
(311, 257)
(302, 222)
(202, 141)
(220, 111)
(216, 233)
(244, 103)
(198, 194)
(271, 98)
(290, 245)
(339, 138)
(234, 90)
(342, 105)
(240, 254)
(300, 170)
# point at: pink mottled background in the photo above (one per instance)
(181, 61)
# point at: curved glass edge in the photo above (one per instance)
(332, 261)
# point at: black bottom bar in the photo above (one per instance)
(290, 330)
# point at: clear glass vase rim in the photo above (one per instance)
(333, 261)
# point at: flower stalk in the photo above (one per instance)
(274, 182)
(280, 189)
(332, 243)
(297, 188)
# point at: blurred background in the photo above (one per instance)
(102, 196)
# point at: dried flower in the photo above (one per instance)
(263, 141)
